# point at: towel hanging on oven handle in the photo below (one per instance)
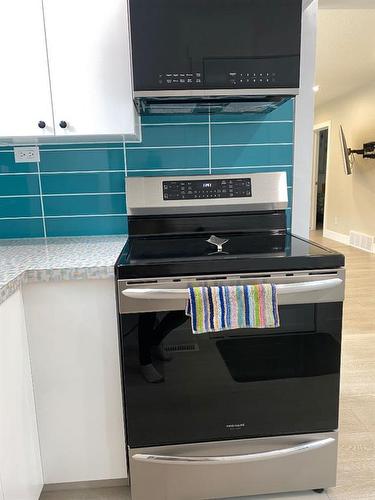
(182, 293)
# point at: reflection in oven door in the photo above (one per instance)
(185, 388)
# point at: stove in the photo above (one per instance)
(231, 413)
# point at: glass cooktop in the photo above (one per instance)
(165, 249)
(192, 254)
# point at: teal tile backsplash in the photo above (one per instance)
(79, 189)
(19, 185)
(82, 160)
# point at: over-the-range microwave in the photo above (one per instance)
(191, 51)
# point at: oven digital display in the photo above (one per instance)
(206, 189)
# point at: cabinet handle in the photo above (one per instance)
(41, 124)
(63, 124)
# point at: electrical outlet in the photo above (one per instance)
(26, 155)
(336, 220)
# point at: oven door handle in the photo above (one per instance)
(232, 459)
(282, 289)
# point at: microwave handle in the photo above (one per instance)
(282, 289)
(232, 459)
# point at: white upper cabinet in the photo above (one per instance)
(89, 60)
(25, 98)
(66, 69)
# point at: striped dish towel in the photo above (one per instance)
(217, 308)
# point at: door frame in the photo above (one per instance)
(314, 178)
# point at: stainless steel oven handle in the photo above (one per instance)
(232, 459)
(283, 289)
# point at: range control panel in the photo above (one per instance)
(206, 189)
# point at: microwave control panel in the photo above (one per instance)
(179, 78)
(265, 78)
(233, 78)
(206, 189)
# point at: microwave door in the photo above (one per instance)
(180, 45)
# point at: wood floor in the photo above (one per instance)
(356, 468)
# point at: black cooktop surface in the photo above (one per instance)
(180, 255)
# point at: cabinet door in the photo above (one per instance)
(76, 371)
(20, 463)
(88, 50)
(25, 97)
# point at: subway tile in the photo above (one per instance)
(80, 145)
(84, 204)
(77, 160)
(254, 170)
(21, 228)
(86, 226)
(19, 185)
(283, 112)
(243, 156)
(173, 135)
(20, 207)
(83, 183)
(288, 218)
(252, 133)
(9, 166)
(170, 172)
(169, 158)
(178, 118)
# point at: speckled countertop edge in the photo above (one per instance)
(56, 259)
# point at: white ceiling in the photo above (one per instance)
(346, 4)
(345, 50)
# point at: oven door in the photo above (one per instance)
(236, 384)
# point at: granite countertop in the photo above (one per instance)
(56, 259)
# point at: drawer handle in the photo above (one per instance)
(63, 124)
(233, 459)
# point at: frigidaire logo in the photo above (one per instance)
(235, 426)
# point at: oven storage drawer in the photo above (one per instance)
(234, 468)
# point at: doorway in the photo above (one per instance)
(321, 145)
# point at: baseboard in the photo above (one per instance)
(80, 485)
(332, 235)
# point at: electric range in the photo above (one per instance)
(231, 413)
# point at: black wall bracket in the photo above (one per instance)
(368, 150)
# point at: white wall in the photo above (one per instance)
(304, 123)
(350, 200)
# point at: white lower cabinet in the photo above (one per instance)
(72, 327)
(20, 464)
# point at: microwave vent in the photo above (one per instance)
(212, 105)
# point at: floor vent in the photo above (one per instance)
(181, 347)
(362, 241)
